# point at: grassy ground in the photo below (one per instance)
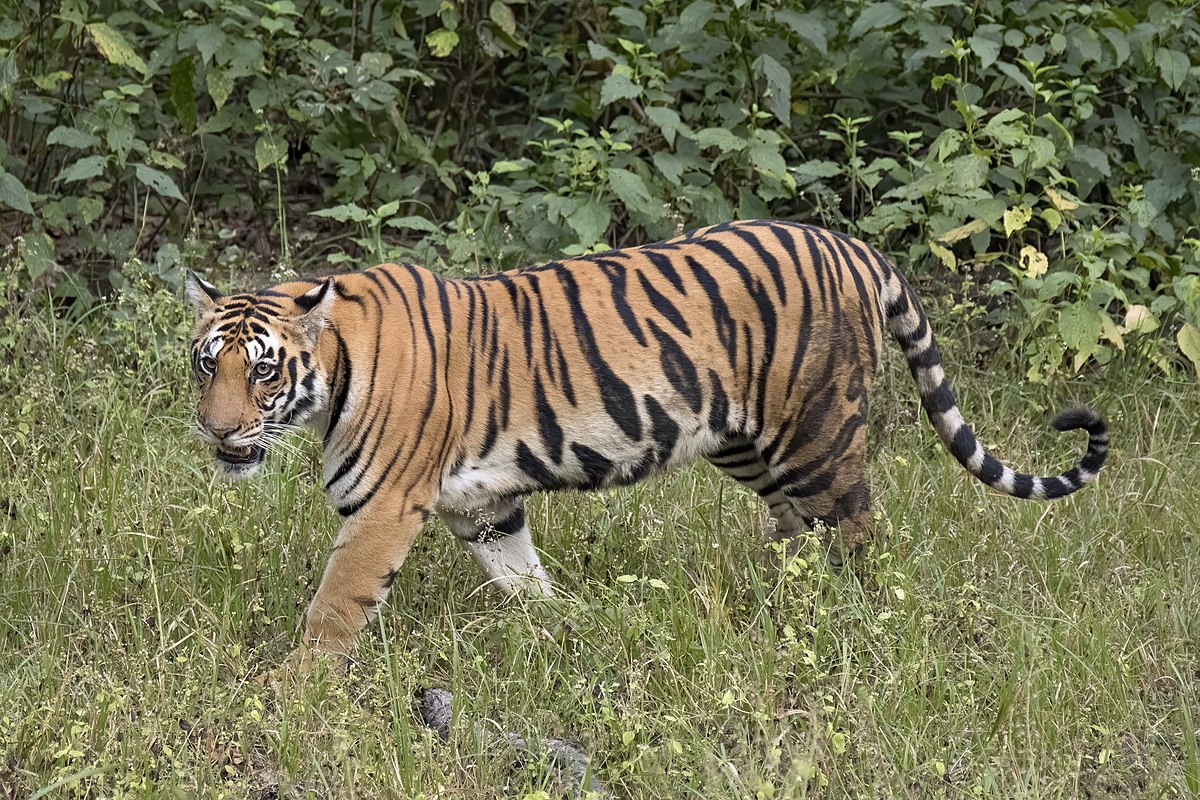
(983, 647)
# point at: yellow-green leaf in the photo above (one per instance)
(1034, 262)
(1015, 219)
(1140, 319)
(220, 86)
(945, 254)
(442, 42)
(1061, 200)
(112, 45)
(1189, 344)
(963, 231)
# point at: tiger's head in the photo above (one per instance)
(255, 359)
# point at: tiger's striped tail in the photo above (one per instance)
(910, 328)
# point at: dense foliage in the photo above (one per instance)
(1045, 152)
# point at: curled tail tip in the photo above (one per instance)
(1097, 451)
(1080, 418)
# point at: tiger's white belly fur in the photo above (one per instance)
(477, 482)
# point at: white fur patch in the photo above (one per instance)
(512, 564)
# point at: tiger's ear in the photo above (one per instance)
(202, 294)
(315, 305)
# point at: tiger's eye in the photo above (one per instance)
(208, 364)
(263, 370)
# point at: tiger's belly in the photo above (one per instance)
(594, 458)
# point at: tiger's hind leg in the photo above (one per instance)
(499, 540)
(740, 460)
(833, 490)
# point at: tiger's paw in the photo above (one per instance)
(302, 664)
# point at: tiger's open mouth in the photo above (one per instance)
(240, 456)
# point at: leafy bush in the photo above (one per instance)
(1046, 151)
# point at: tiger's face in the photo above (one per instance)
(254, 358)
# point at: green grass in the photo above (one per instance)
(983, 647)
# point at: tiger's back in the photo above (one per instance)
(750, 344)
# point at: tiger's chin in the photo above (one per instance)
(240, 462)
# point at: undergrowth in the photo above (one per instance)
(981, 647)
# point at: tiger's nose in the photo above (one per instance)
(221, 430)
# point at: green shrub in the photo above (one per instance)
(1047, 151)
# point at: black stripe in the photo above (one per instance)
(616, 395)
(548, 427)
(718, 404)
(617, 276)
(663, 430)
(662, 262)
(663, 306)
(765, 256)
(596, 467)
(678, 368)
(535, 468)
(341, 384)
(726, 328)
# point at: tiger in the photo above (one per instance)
(752, 345)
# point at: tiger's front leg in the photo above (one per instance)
(368, 552)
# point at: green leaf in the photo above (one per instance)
(209, 39)
(695, 17)
(442, 42)
(631, 190)
(161, 158)
(112, 46)
(13, 193)
(721, 138)
(667, 120)
(970, 172)
(183, 92)
(589, 220)
(414, 223)
(807, 26)
(344, 213)
(1003, 127)
(877, 15)
(1189, 344)
(617, 87)
(987, 50)
(669, 165)
(119, 138)
(768, 160)
(71, 137)
(268, 153)
(1120, 43)
(90, 208)
(1079, 326)
(159, 181)
(8, 75)
(502, 15)
(1093, 157)
(520, 165)
(37, 254)
(220, 86)
(1173, 65)
(778, 97)
(629, 17)
(84, 168)
(818, 169)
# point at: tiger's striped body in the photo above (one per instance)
(750, 344)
